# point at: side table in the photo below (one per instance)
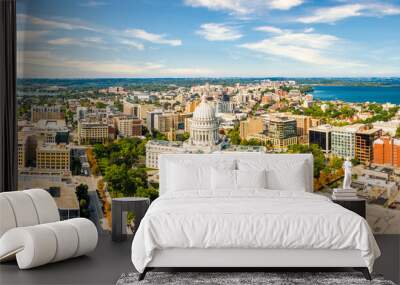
(119, 209)
(357, 205)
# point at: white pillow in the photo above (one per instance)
(182, 177)
(193, 175)
(282, 174)
(251, 179)
(223, 179)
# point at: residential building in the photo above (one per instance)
(364, 149)
(46, 113)
(321, 136)
(344, 140)
(386, 151)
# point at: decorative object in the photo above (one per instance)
(243, 278)
(345, 193)
(31, 230)
(347, 174)
(119, 208)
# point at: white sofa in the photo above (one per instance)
(31, 231)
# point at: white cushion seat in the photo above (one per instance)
(31, 232)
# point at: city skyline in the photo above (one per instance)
(226, 38)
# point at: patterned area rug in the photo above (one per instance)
(240, 278)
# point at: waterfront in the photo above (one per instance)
(379, 94)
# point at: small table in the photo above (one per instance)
(356, 205)
(119, 209)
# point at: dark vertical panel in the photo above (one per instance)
(8, 125)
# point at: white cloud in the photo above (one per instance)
(24, 36)
(44, 63)
(93, 3)
(337, 13)
(310, 48)
(53, 24)
(284, 4)
(218, 32)
(309, 30)
(150, 37)
(83, 42)
(243, 7)
(269, 29)
(132, 44)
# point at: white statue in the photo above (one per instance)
(347, 174)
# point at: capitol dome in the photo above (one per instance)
(204, 111)
(204, 125)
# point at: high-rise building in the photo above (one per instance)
(92, 132)
(151, 118)
(53, 156)
(344, 140)
(128, 126)
(321, 136)
(364, 149)
(131, 109)
(253, 125)
(387, 151)
(282, 131)
(304, 123)
(166, 121)
(46, 113)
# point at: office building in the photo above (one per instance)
(282, 131)
(53, 156)
(253, 125)
(344, 141)
(364, 149)
(321, 136)
(128, 126)
(92, 132)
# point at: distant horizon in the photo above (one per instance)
(214, 77)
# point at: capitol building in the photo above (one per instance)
(204, 136)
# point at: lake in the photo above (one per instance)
(358, 93)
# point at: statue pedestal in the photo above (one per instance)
(344, 194)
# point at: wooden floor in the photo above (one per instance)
(110, 260)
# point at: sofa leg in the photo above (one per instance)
(143, 274)
(365, 272)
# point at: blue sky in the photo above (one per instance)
(207, 38)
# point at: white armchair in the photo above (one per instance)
(31, 230)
